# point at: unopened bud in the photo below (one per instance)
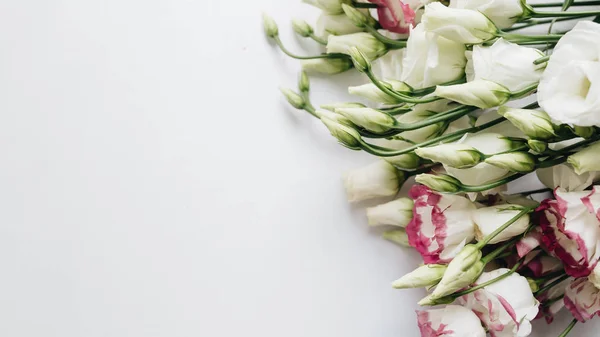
(537, 146)
(368, 45)
(293, 98)
(521, 162)
(533, 123)
(586, 160)
(480, 93)
(398, 212)
(304, 82)
(328, 66)
(584, 131)
(360, 61)
(397, 236)
(346, 135)
(462, 271)
(371, 92)
(322, 113)
(302, 28)
(453, 155)
(440, 183)
(424, 276)
(370, 119)
(333, 106)
(358, 18)
(270, 26)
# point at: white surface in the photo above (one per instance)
(154, 183)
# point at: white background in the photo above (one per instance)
(154, 183)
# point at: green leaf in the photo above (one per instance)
(567, 4)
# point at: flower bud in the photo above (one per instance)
(371, 92)
(586, 160)
(440, 182)
(425, 276)
(480, 93)
(293, 98)
(270, 26)
(521, 162)
(333, 106)
(322, 113)
(358, 18)
(453, 155)
(330, 66)
(302, 28)
(328, 6)
(397, 236)
(370, 119)
(533, 123)
(346, 135)
(398, 212)
(359, 60)
(537, 146)
(460, 25)
(304, 82)
(379, 179)
(365, 42)
(583, 131)
(462, 271)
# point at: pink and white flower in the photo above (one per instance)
(571, 228)
(582, 299)
(554, 293)
(542, 265)
(529, 242)
(441, 224)
(451, 321)
(395, 15)
(505, 307)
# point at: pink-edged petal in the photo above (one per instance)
(529, 242)
(395, 16)
(582, 298)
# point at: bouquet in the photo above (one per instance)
(465, 99)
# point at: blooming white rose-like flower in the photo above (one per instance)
(397, 212)
(460, 25)
(505, 307)
(582, 298)
(338, 24)
(569, 90)
(431, 59)
(563, 176)
(380, 179)
(571, 229)
(586, 160)
(482, 173)
(504, 13)
(488, 219)
(505, 63)
(370, 47)
(451, 321)
(441, 225)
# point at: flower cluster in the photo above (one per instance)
(463, 102)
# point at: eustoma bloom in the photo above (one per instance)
(504, 13)
(571, 228)
(441, 224)
(582, 298)
(505, 307)
(379, 179)
(451, 321)
(563, 176)
(395, 15)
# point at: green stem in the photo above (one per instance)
(536, 14)
(492, 281)
(452, 114)
(569, 328)
(393, 44)
(500, 229)
(357, 4)
(318, 39)
(523, 92)
(485, 187)
(418, 171)
(292, 55)
(538, 191)
(429, 90)
(552, 284)
(516, 38)
(532, 23)
(396, 95)
(542, 60)
(560, 4)
(552, 301)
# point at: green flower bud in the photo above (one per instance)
(453, 155)
(586, 160)
(370, 119)
(521, 162)
(333, 106)
(480, 93)
(304, 82)
(270, 26)
(371, 92)
(583, 131)
(326, 66)
(302, 28)
(322, 113)
(368, 45)
(533, 123)
(424, 276)
(397, 236)
(462, 271)
(537, 146)
(346, 135)
(440, 182)
(293, 98)
(358, 18)
(360, 61)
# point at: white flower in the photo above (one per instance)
(520, 161)
(504, 13)
(488, 219)
(424, 276)
(563, 176)
(480, 93)
(398, 212)
(569, 90)
(326, 66)
(430, 59)
(582, 299)
(453, 155)
(487, 143)
(368, 118)
(441, 224)
(379, 179)
(451, 321)
(389, 66)
(505, 63)
(365, 42)
(462, 271)
(506, 307)
(572, 229)
(461, 25)
(586, 160)
(338, 24)
(397, 236)
(371, 92)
